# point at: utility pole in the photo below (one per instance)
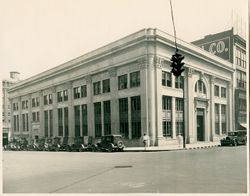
(177, 69)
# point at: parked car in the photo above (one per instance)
(235, 138)
(110, 143)
(65, 145)
(78, 145)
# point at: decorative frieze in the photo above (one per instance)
(69, 84)
(190, 72)
(88, 79)
(212, 78)
(112, 72)
(158, 62)
(53, 89)
(142, 63)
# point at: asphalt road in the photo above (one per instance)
(215, 170)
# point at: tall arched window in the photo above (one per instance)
(200, 87)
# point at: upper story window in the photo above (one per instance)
(135, 79)
(179, 82)
(122, 82)
(200, 87)
(62, 95)
(97, 88)
(47, 99)
(166, 79)
(15, 106)
(65, 95)
(25, 104)
(241, 79)
(240, 57)
(216, 91)
(80, 91)
(223, 92)
(106, 86)
(35, 102)
(77, 92)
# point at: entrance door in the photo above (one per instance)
(200, 124)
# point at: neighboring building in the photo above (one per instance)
(6, 116)
(232, 48)
(127, 88)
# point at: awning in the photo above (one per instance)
(242, 126)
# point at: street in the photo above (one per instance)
(214, 170)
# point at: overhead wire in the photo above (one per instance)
(172, 15)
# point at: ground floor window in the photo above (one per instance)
(107, 117)
(77, 120)
(179, 128)
(167, 128)
(98, 119)
(217, 120)
(84, 120)
(123, 117)
(136, 116)
(46, 123)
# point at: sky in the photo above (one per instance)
(37, 35)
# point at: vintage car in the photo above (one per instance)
(110, 143)
(234, 138)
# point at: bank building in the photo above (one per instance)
(127, 88)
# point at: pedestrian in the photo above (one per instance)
(145, 140)
(179, 138)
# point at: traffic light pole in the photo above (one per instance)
(184, 131)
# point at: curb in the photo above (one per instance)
(157, 150)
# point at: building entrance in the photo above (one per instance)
(200, 124)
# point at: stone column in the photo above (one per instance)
(71, 116)
(30, 117)
(212, 110)
(229, 108)
(55, 112)
(173, 118)
(90, 107)
(20, 126)
(129, 119)
(220, 129)
(156, 97)
(115, 124)
(11, 131)
(189, 106)
(142, 64)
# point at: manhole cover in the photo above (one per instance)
(123, 166)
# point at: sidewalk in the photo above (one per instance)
(198, 145)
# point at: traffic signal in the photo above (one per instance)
(177, 64)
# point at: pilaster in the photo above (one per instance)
(115, 124)
(55, 112)
(189, 106)
(20, 126)
(142, 64)
(212, 108)
(229, 108)
(90, 106)
(156, 93)
(71, 118)
(29, 117)
(173, 118)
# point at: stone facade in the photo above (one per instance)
(126, 88)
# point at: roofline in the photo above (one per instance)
(117, 45)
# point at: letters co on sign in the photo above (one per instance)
(219, 48)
